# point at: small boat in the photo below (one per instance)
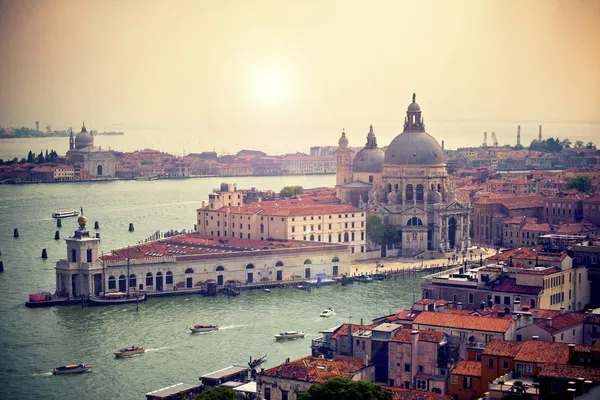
(363, 278)
(257, 362)
(129, 351)
(116, 298)
(267, 290)
(328, 312)
(289, 335)
(71, 369)
(378, 277)
(302, 287)
(203, 328)
(65, 214)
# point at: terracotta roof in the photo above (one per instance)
(404, 335)
(509, 285)
(405, 315)
(570, 372)
(458, 321)
(469, 368)
(343, 330)
(503, 348)
(561, 322)
(413, 394)
(526, 253)
(538, 351)
(317, 370)
(288, 208)
(541, 312)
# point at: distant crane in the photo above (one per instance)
(494, 140)
(540, 134)
(518, 135)
(484, 144)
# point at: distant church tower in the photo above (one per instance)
(71, 140)
(540, 134)
(37, 126)
(518, 135)
(343, 170)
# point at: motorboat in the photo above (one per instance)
(378, 277)
(363, 278)
(267, 290)
(203, 328)
(256, 362)
(328, 312)
(107, 299)
(129, 351)
(71, 369)
(302, 287)
(65, 214)
(289, 335)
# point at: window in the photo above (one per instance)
(505, 365)
(454, 379)
(528, 369)
(112, 283)
(490, 363)
(471, 298)
(519, 338)
(284, 394)
(89, 255)
(267, 393)
(478, 356)
(421, 369)
(421, 384)
(496, 299)
(419, 192)
(507, 300)
(467, 383)
(406, 367)
(149, 279)
(409, 192)
(555, 387)
(169, 278)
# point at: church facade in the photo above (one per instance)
(98, 163)
(407, 186)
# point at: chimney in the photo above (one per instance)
(517, 305)
(203, 203)
(350, 341)
(571, 350)
(366, 359)
(535, 338)
(459, 305)
(414, 340)
(562, 310)
(549, 322)
(294, 375)
(535, 314)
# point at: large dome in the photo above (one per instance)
(368, 160)
(83, 139)
(414, 148)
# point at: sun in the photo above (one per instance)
(270, 86)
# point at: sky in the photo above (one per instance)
(297, 72)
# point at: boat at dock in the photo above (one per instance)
(363, 278)
(256, 362)
(146, 178)
(65, 214)
(71, 369)
(203, 328)
(107, 299)
(328, 312)
(289, 335)
(129, 351)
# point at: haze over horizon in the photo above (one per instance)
(295, 73)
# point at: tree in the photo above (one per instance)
(581, 183)
(579, 144)
(218, 393)
(40, 158)
(291, 191)
(48, 128)
(30, 157)
(342, 388)
(590, 145)
(518, 147)
(375, 229)
(566, 143)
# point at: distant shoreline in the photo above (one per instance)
(59, 135)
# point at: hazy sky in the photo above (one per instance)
(295, 71)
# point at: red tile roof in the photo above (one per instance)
(468, 368)
(317, 370)
(343, 330)
(288, 208)
(503, 348)
(404, 335)
(509, 285)
(561, 322)
(538, 351)
(458, 321)
(540, 312)
(526, 253)
(570, 372)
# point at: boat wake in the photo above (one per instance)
(43, 374)
(157, 349)
(231, 327)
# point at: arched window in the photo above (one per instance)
(132, 281)
(189, 271)
(409, 192)
(312, 238)
(149, 280)
(73, 255)
(419, 192)
(346, 238)
(250, 266)
(335, 259)
(169, 278)
(220, 268)
(307, 261)
(112, 283)
(122, 283)
(440, 187)
(414, 221)
(279, 264)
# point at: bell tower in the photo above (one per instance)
(343, 157)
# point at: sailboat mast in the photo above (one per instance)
(128, 273)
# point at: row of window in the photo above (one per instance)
(557, 298)
(347, 238)
(112, 281)
(330, 226)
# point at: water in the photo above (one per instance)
(33, 341)
(179, 141)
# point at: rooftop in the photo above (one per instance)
(503, 348)
(316, 370)
(458, 321)
(570, 372)
(289, 208)
(561, 322)
(468, 368)
(343, 330)
(526, 253)
(404, 335)
(509, 285)
(165, 393)
(538, 351)
(224, 373)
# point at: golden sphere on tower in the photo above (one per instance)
(82, 220)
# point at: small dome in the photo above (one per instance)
(368, 160)
(83, 139)
(414, 107)
(343, 142)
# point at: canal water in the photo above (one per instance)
(33, 341)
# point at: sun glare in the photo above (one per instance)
(270, 86)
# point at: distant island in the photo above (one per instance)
(27, 133)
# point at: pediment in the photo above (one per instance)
(414, 211)
(455, 205)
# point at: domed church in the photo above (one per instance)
(406, 186)
(97, 162)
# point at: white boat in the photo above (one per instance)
(71, 369)
(65, 214)
(129, 351)
(289, 335)
(328, 312)
(203, 328)
(116, 298)
(267, 290)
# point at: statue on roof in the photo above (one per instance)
(414, 97)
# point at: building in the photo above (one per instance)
(99, 163)
(465, 380)
(558, 381)
(566, 327)
(407, 186)
(302, 164)
(64, 173)
(564, 207)
(287, 381)
(313, 219)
